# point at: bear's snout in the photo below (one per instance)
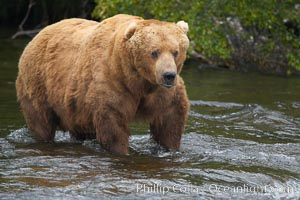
(169, 79)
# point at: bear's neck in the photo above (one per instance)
(135, 84)
(122, 68)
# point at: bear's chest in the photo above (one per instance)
(154, 104)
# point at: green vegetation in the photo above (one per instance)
(240, 34)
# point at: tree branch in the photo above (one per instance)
(21, 28)
(201, 57)
(29, 33)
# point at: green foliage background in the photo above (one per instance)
(246, 34)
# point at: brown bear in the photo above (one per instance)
(92, 79)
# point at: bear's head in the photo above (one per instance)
(158, 49)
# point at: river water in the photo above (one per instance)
(242, 141)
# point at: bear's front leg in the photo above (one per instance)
(112, 132)
(167, 128)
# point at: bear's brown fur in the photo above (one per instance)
(92, 79)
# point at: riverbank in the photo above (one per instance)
(200, 62)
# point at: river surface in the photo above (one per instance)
(242, 141)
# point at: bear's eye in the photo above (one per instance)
(155, 53)
(175, 53)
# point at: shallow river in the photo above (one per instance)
(242, 141)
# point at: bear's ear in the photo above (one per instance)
(130, 30)
(184, 26)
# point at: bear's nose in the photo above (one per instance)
(169, 78)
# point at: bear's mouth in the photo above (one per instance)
(168, 85)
